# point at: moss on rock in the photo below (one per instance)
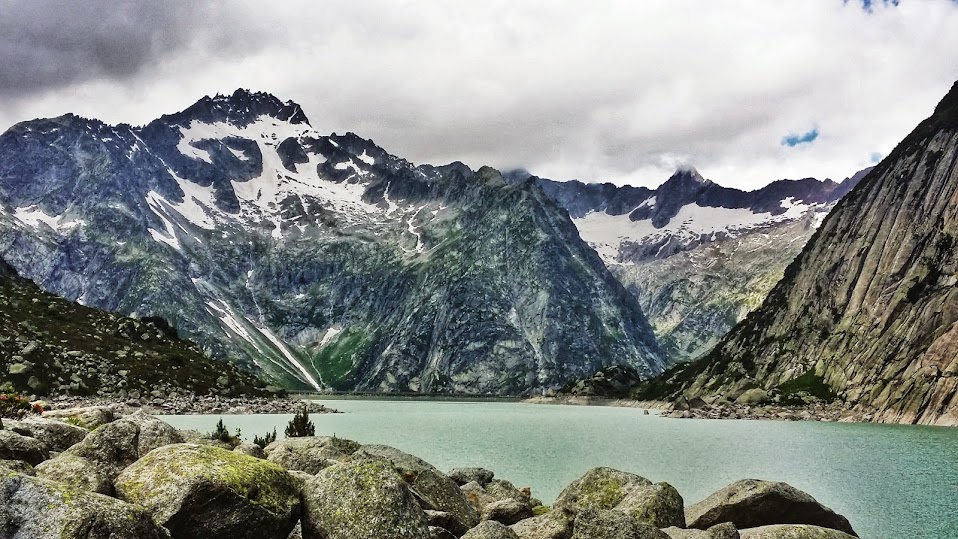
(366, 499)
(242, 496)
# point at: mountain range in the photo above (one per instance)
(319, 261)
(697, 256)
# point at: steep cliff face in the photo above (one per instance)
(322, 261)
(697, 255)
(870, 307)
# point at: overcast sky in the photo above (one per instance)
(747, 91)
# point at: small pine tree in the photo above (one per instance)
(265, 440)
(300, 426)
(221, 433)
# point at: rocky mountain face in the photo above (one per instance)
(322, 261)
(52, 346)
(698, 256)
(868, 309)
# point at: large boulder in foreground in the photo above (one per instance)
(606, 524)
(659, 505)
(152, 432)
(793, 531)
(599, 488)
(15, 446)
(751, 503)
(366, 499)
(408, 465)
(79, 472)
(32, 508)
(311, 454)
(204, 491)
(441, 493)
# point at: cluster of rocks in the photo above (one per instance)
(187, 405)
(699, 409)
(135, 476)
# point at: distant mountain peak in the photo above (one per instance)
(240, 108)
(687, 170)
(684, 180)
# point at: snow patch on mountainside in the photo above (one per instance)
(197, 203)
(34, 217)
(260, 197)
(158, 205)
(606, 233)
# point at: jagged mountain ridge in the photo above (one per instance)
(634, 224)
(868, 307)
(322, 260)
(698, 256)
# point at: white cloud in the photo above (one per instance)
(617, 91)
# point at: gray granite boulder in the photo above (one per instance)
(726, 530)
(490, 529)
(598, 488)
(88, 417)
(793, 531)
(204, 491)
(79, 472)
(408, 465)
(607, 524)
(465, 475)
(446, 521)
(508, 511)
(752, 503)
(365, 499)
(15, 446)
(441, 493)
(311, 454)
(552, 525)
(251, 450)
(659, 505)
(32, 508)
(18, 466)
(55, 435)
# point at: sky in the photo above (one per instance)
(746, 91)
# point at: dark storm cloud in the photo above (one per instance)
(47, 44)
(615, 90)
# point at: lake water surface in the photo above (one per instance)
(891, 481)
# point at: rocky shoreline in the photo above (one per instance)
(699, 409)
(190, 405)
(134, 476)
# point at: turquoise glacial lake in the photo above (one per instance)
(891, 481)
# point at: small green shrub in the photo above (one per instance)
(300, 425)
(265, 440)
(223, 434)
